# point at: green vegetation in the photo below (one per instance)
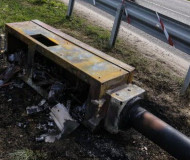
(49, 11)
(27, 154)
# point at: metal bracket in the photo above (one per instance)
(119, 100)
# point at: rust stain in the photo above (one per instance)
(87, 65)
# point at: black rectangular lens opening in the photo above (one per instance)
(44, 40)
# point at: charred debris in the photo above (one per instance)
(65, 101)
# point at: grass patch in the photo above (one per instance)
(27, 154)
(49, 11)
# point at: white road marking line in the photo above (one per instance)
(166, 8)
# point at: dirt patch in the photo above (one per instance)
(162, 99)
(81, 144)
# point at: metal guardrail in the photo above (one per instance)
(146, 20)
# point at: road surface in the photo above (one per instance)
(176, 9)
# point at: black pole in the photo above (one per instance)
(168, 138)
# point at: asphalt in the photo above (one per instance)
(176, 9)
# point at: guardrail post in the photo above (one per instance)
(116, 25)
(70, 8)
(168, 37)
(186, 83)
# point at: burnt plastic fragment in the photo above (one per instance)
(40, 107)
(56, 91)
(16, 57)
(8, 74)
(21, 124)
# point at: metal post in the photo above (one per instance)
(186, 83)
(70, 8)
(116, 25)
